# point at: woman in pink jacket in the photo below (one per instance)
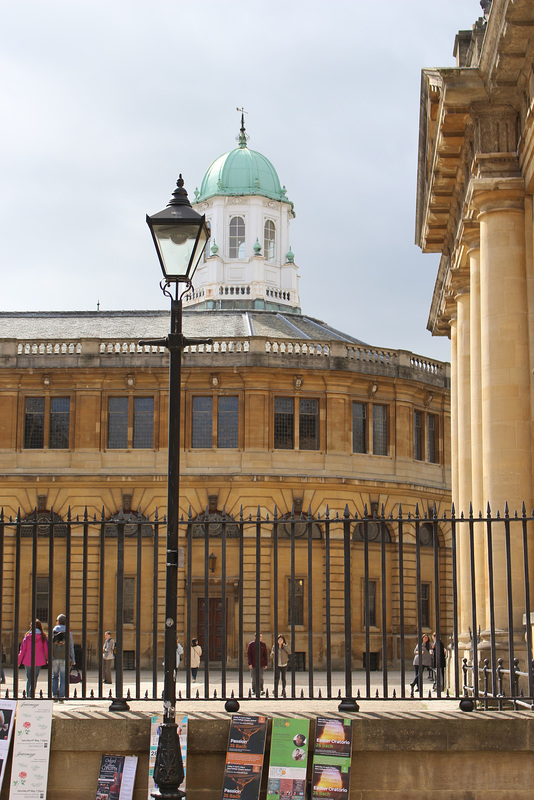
(41, 655)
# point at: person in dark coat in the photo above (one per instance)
(439, 659)
(251, 660)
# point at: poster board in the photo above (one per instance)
(331, 760)
(155, 725)
(116, 778)
(244, 758)
(7, 723)
(31, 752)
(289, 759)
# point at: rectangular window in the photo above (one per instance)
(228, 422)
(359, 427)
(380, 430)
(143, 427)
(128, 608)
(371, 605)
(308, 424)
(202, 423)
(425, 605)
(34, 423)
(295, 600)
(59, 423)
(46, 423)
(41, 598)
(130, 422)
(284, 422)
(431, 439)
(418, 435)
(118, 423)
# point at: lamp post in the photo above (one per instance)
(180, 236)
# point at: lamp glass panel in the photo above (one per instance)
(176, 243)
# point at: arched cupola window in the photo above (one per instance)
(237, 237)
(269, 239)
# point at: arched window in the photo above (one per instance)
(237, 237)
(269, 238)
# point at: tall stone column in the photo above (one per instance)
(505, 378)
(471, 238)
(463, 393)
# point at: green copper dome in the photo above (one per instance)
(242, 172)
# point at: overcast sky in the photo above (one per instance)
(104, 102)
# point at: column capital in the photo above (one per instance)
(497, 194)
(470, 234)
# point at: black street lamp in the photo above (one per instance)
(180, 236)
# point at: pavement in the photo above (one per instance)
(205, 699)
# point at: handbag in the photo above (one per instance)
(75, 676)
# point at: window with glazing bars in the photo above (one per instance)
(308, 424)
(143, 427)
(269, 239)
(370, 607)
(34, 423)
(295, 600)
(118, 423)
(42, 597)
(284, 423)
(359, 427)
(380, 430)
(37, 434)
(59, 423)
(237, 237)
(431, 448)
(228, 421)
(418, 435)
(202, 422)
(128, 608)
(425, 605)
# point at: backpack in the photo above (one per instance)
(58, 637)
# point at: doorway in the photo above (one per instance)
(215, 627)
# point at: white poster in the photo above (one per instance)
(31, 753)
(7, 720)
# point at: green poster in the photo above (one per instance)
(289, 759)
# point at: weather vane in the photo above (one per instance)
(243, 137)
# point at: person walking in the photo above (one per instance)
(108, 656)
(41, 655)
(280, 654)
(251, 660)
(196, 652)
(426, 660)
(59, 655)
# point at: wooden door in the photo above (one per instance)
(215, 630)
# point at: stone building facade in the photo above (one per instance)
(475, 208)
(281, 411)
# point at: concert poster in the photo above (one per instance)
(31, 751)
(331, 761)
(244, 758)
(116, 778)
(289, 759)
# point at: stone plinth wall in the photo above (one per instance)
(398, 756)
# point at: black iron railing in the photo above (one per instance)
(353, 596)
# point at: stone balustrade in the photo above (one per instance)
(372, 360)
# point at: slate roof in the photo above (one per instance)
(74, 325)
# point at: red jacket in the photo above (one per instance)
(251, 654)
